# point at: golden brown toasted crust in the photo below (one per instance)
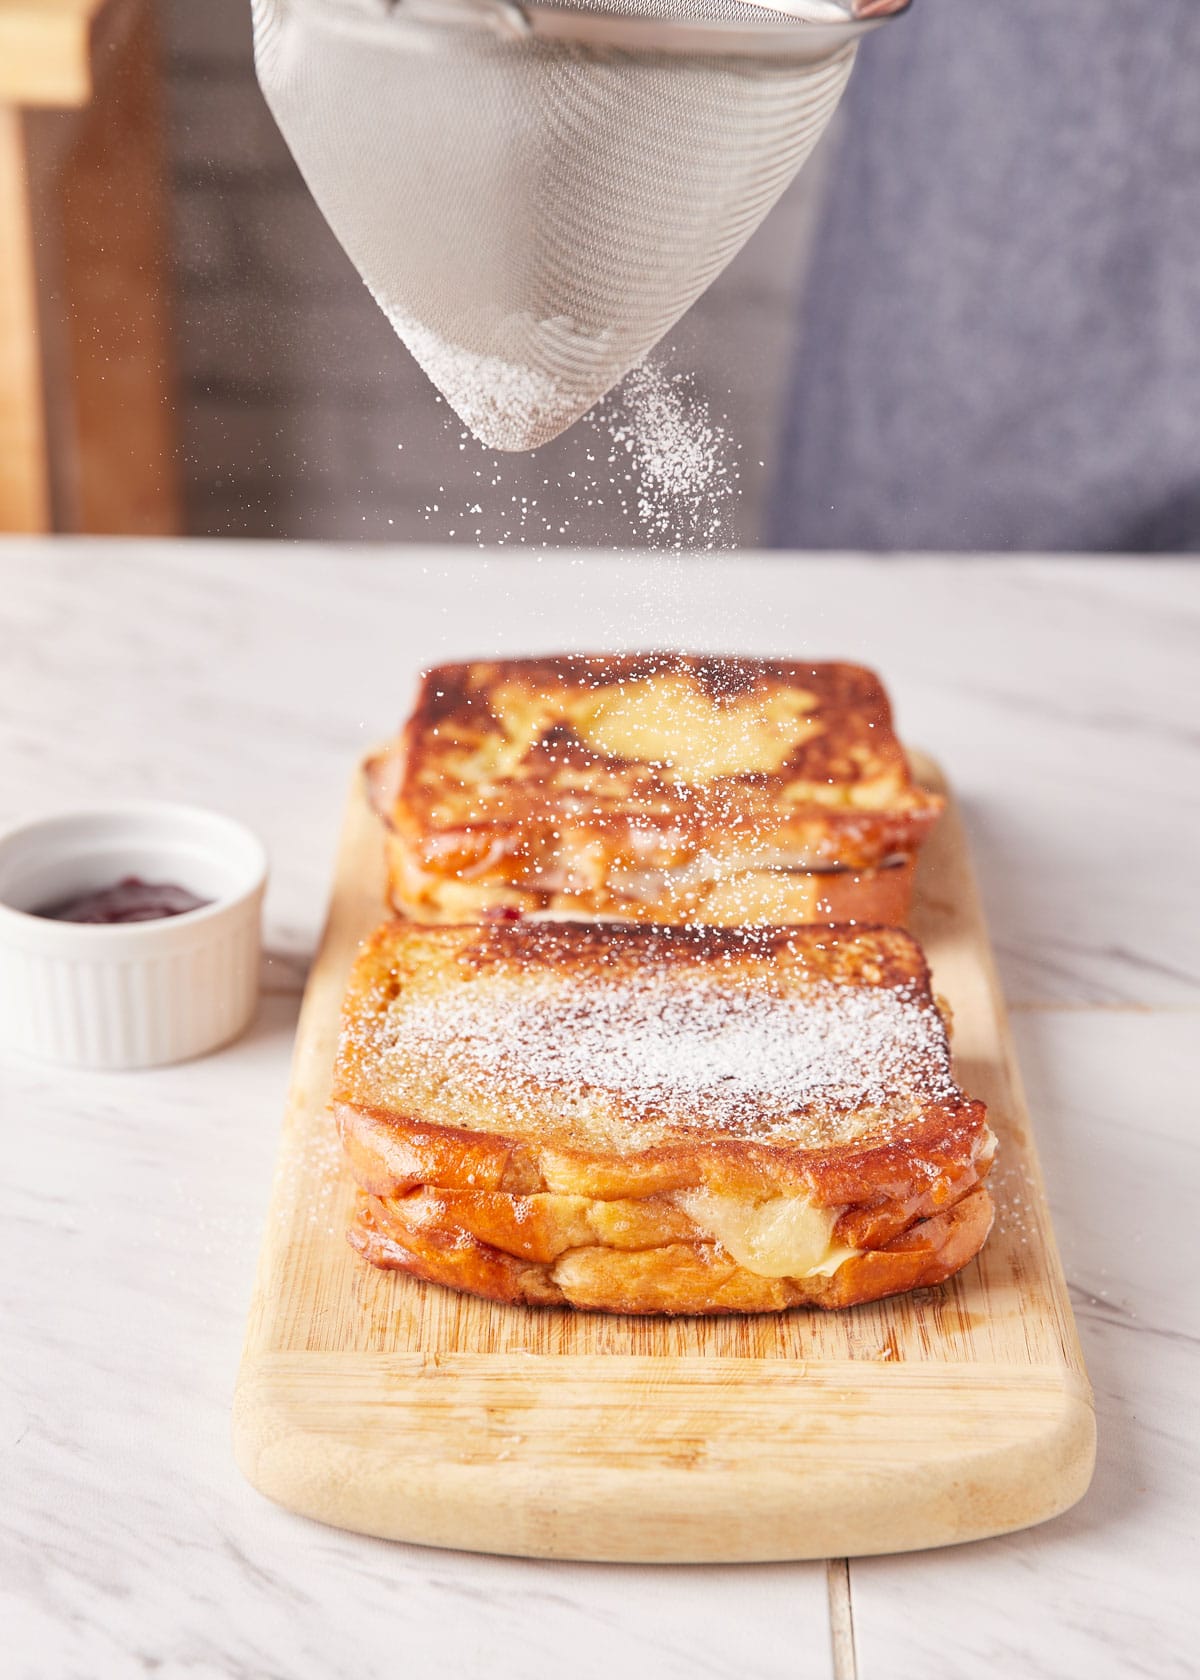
(679, 1277)
(651, 786)
(766, 897)
(524, 1185)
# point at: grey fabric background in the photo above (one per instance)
(1001, 335)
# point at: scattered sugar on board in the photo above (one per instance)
(736, 1060)
(1012, 1192)
(308, 1182)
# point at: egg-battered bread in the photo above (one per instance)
(644, 1119)
(651, 787)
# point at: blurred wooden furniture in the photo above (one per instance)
(86, 426)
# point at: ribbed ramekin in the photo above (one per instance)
(133, 994)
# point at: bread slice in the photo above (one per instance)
(656, 787)
(657, 1119)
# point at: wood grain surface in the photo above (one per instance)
(375, 1402)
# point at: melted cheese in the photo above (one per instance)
(669, 720)
(783, 1237)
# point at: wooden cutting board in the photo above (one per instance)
(378, 1403)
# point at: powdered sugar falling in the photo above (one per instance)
(650, 463)
(684, 463)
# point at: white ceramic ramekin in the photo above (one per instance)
(131, 994)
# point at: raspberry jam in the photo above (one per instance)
(128, 900)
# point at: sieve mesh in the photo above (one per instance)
(533, 214)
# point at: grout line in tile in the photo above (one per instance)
(841, 1619)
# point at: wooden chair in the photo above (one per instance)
(87, 434)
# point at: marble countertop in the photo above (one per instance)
(1061, 697)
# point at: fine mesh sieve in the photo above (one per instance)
(535, 194)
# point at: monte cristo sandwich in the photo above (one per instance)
(652, 1119)
(652, 787)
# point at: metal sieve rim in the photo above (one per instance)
(800, 41)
